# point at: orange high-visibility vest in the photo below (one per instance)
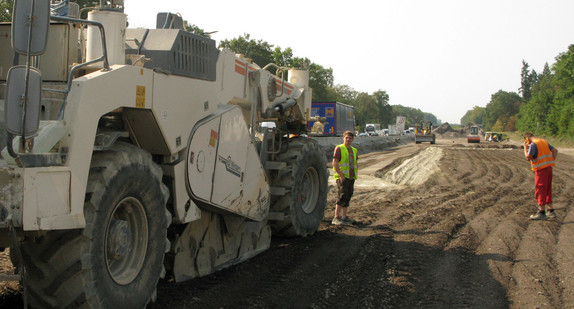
(544, 158)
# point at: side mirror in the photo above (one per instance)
(22, 99)
(30, 21)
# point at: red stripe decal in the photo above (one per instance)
(239, 69)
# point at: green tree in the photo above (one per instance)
(263, 53)
(366, 109)
(320, 79)
(534, 113)
(475, 115)
(497, 126)
(385, 110)
(501, 107)
(343, 93)
(510, 124)
(375, 107)
(195, 29)
(527, 80)
(550, 109)
(6, 10)
(259, 51)
(560, 119)
(284, 58)
(432, 118)
(545, 72)
(413, 115)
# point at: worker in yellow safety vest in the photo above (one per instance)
(346, 170)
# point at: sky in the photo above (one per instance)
(443, 57)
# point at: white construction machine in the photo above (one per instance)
(132, 153)
(473, 135)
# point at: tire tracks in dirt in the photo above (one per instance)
(535, 275)
(453, 267)
(564, 259)
(460, 239)
(471, 235)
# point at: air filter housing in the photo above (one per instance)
(174, 51)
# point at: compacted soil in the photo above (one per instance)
(438, 226)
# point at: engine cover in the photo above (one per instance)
(223, 167)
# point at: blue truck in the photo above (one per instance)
(335, 118)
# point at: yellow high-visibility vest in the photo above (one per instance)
(344, 164)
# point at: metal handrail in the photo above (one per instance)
(281, 71)
(103, 58)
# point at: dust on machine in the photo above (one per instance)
(130, 155)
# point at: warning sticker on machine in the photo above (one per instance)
(140, 96)
(213, 138)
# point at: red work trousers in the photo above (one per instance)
(543, 186)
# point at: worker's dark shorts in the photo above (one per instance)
(345, 191)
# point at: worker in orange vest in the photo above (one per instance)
(541, 156)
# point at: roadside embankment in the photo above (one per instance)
(364, 144)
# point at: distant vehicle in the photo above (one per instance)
(373, 134)
(373, 128)
(495, 137)
(385, 132)
(338, 117)
(423, 133)
(473, 136)
(488, 136)
(363, 134)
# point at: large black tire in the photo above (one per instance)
(305, 180)
(117, 259)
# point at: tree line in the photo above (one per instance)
(544, 104)
(369, 107)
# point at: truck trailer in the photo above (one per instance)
(338, 118)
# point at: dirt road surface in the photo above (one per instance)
(438, 226)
